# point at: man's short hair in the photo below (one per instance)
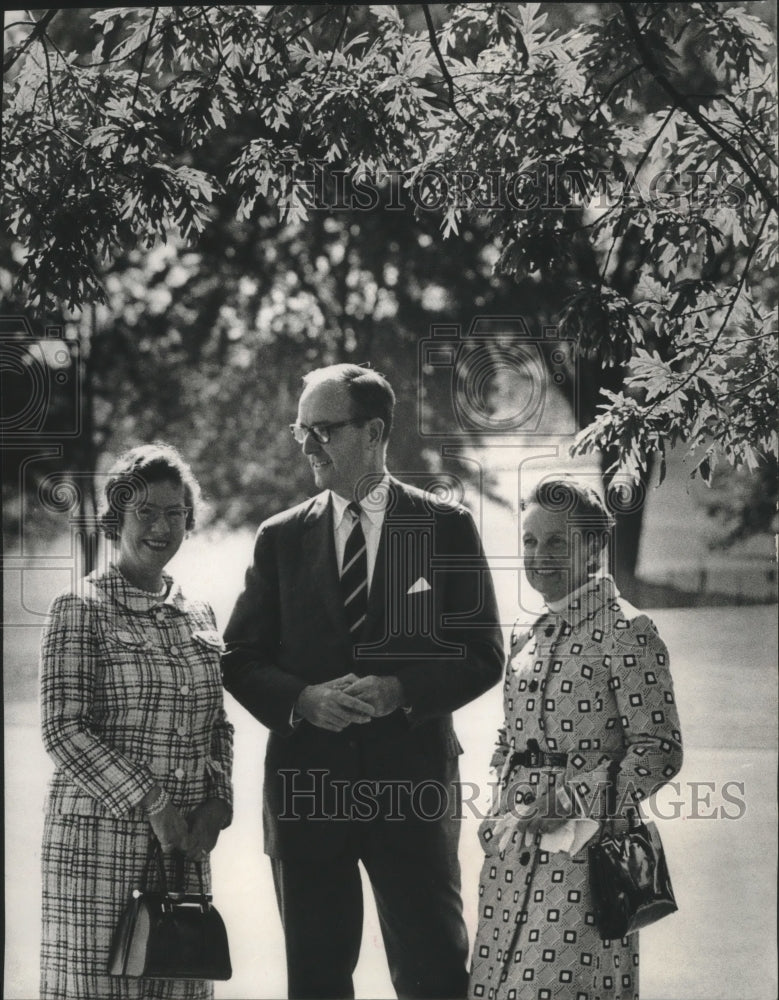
(370, 392)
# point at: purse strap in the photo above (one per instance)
(611, 790)
(634, 817)
(154, 859)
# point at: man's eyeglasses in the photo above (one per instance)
(320, 432)
(149, 514)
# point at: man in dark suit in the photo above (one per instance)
(368, 616)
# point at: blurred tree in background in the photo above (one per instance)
(217, 198)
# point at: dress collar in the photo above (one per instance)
(585, 601)
(118, 588)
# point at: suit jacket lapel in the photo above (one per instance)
(321, 562)
(401, 506)
(377, 598)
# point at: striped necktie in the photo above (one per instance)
(354, 575)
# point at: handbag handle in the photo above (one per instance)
(611, 790)
(154, 858)
(633, 815)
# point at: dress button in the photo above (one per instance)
(174, 651)
(179, 772)
(182, 730)
(184, 689)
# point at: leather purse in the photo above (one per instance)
(164, 934)
(629, 881)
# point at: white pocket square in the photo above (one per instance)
(419, 587)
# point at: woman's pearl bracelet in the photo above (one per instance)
(158, 804)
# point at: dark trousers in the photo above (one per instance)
(420, 912)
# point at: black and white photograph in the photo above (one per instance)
(389, 463)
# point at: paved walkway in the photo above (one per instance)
(720, 946)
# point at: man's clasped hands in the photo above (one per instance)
(336, 703)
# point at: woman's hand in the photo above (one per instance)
(171, 829)
(205, 824)
(551, 810)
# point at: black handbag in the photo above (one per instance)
(629, 881)
(163, 934)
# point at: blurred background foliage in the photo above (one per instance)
(153, 216)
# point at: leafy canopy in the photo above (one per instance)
(552, 136)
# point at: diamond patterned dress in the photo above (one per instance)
(592, 683)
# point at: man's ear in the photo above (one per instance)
(376, 429)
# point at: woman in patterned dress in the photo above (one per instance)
(131, 701)
(587, 686)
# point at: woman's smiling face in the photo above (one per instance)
(556, 560)
(146, 546)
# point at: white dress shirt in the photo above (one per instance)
(372, 519)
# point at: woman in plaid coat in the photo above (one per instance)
(132, 715)
(587, 688)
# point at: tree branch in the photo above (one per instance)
(743, 123)
(49, 87)
(12, 55)
(125, 58)
(636, 172)
(310, 24)
(347, 8)
(440, 59)
(609, 91)
(682, 100)
(221, 62)
(749, 385)
(771, 335)
(143, 58)
(763, 147)
(710, 349)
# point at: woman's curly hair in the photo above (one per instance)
(133, 472)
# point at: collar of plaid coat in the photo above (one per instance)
(111, 585)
